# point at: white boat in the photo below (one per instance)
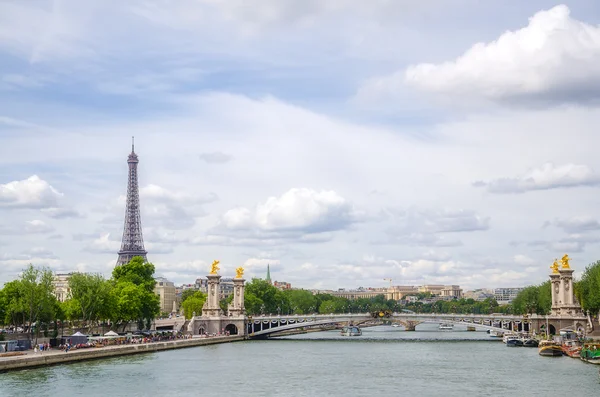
(509, 336)
(351, 330)
(446, 326)
(496, 334)
(395, 325)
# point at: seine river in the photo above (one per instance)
(384, 361)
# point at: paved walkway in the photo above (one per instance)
(57, 352)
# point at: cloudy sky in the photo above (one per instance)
(341, 141)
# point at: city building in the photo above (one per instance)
(433, 289)
(505, 296)
(201, 284)
(398, 292)
(61, 286)
(225, 288)
(282, 285)
(479, 294)
(452, 291)
(358, 293)
(165, 289)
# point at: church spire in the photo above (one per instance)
(268, 274)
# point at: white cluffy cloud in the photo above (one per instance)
(553, 59)
(32, 192)
(548, 176)
(296, 210)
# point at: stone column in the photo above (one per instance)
(556, 293)
(566, 278)
(236, 307)
(211, 307)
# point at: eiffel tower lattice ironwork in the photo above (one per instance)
(133, 242)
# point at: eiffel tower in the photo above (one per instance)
(133, 242)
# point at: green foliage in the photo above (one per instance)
(136, 272)
(15, 305)
(132, 297)
(533, 299)
(224, 303)
(127, 299)
(587, 289)
(186, 294)
(3, 306)
(300, 301)
(71, 309)
(193, 303)
(92, 293)
(262, 297)
(36, 294)
(253, 303)
(327, 307)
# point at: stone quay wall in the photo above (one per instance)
(54, 357)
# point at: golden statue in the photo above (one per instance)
(214, 267)
(565, 262)
(554, 267)
(239, 272)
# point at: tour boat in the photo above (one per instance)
(530, 342)
(446, 326)
(572, 348)
(590, 353)
(550, 348)
(508, 337)
(514, 342)
(351, 330)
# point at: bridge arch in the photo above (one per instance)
(232, 329)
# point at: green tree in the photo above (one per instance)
(3, 306)
(327, 307)
(253, 304)
(193, 303)
(300, 301)
(224, 303)
(533, 299)
(273, 300)
(92, 293)
(137, 272)
(128, 300)
(38, 300)
(71, 309)
(587, 289)
(144, 302)
(186, 294)
(15, 312)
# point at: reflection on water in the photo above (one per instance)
(385, 360)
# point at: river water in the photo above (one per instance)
(383, 361)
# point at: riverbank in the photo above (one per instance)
(55, 357)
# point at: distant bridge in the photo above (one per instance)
(262, 326)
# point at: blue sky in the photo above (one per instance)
(342, 142)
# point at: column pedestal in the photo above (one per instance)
(211, 307)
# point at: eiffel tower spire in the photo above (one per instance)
(133, 242)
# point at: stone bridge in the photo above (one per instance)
(262, 326)
(565, 313)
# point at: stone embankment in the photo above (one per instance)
(54, 357)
